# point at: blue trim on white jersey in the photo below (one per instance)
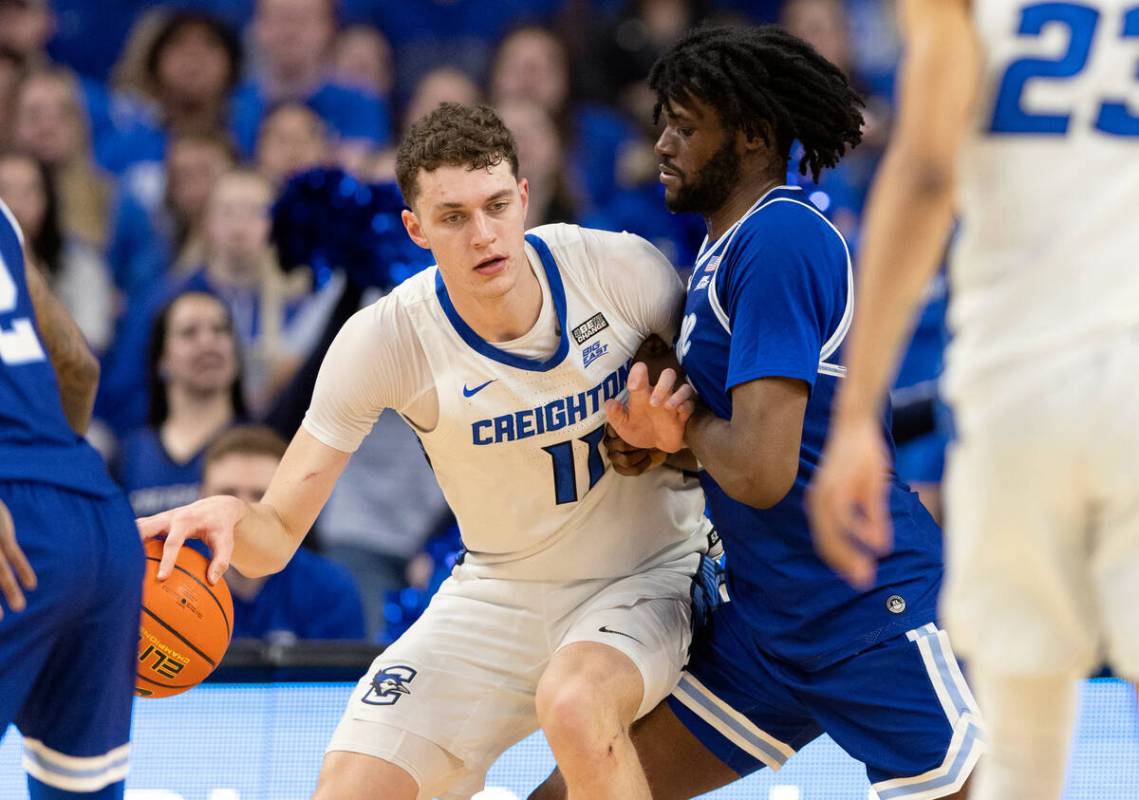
(480, 345)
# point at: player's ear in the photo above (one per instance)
(414, 229)
(524, 193)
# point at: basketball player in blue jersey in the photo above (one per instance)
(67, 657)
(1042, 580)
(797, 651)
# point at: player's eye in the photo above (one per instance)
(499, 206)
(453, 219)
(686, 132)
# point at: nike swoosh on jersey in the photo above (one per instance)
(606, 629)
(472, 392)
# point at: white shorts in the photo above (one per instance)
(464, 676)
(1042, 543)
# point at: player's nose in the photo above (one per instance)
(483, 231)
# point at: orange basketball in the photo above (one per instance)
(186, 624)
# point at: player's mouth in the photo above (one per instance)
(492, 265)
(669, 174)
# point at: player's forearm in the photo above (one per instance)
(911, 205)
(749, 474)
(262, 542)
(908, 222)
(76, 368)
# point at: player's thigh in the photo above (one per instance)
(904, 709)
(355, 776)
(645, 617)
(462, 678)
(1017, 592)
(84, 747)
(734, 700)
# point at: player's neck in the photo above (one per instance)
(747, 190)
(507, 316)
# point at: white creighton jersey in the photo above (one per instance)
(1049, 240)
(514, 430)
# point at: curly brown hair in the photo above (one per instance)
(453, 135)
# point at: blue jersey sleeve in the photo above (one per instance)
(784, 287)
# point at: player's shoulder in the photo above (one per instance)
(788, 223)
(595, 251)
(787, 212)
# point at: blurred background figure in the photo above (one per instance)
(49, 121)
(312, 597)
(75, 270)
(294, 41)
(194, 376)
(540, 162)
(181, 83)
(241, 269)
(194, 164)
(293, 138)
(362, 59)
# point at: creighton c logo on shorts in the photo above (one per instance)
(389, 685)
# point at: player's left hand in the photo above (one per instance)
(16, 574)
(653, 417)
(629, 460)
(848, 501)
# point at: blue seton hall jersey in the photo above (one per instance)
(36, 443)
(773, 297)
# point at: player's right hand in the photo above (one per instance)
(211, 519)
(14, 567)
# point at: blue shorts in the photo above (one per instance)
(67, 662)
(901, 707)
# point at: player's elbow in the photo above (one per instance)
(927, 176)
(84, 371)
(764, 486)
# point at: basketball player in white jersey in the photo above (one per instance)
(1022, 117)
(572, 607)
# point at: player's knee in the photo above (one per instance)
(577, 721)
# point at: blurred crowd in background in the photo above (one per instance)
(143, 146)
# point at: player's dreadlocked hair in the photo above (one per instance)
(764, 81)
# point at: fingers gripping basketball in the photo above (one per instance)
(186, 624)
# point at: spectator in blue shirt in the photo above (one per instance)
(187, 76)
(241, 269)
(294, 40)
(312, 597)
(195, 394)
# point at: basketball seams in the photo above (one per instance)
(188, 643)
(181, 686)
(209, 590)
